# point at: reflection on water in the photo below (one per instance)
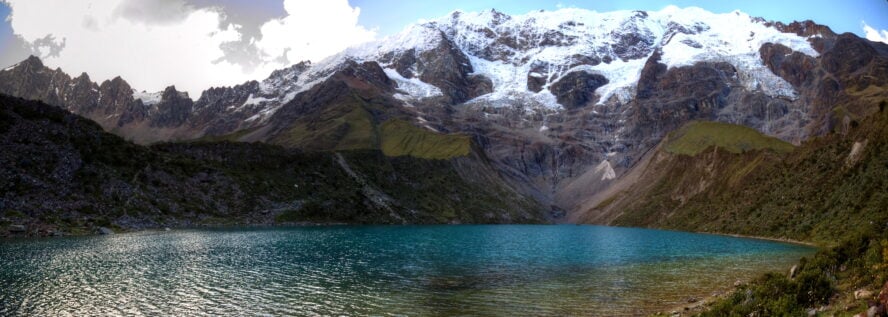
(377, 270)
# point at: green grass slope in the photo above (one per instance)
(352, 123)
(345, 125)
(697, 136)
(820, 192)
(400, 138)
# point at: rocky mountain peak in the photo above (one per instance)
(84, 77)
(32, 62)
(170, 93)
(806, 28)
(173, 109)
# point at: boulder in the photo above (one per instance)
(863, 294)
(104, 231)
(17, 228)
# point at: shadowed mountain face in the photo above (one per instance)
(562, 103)
(62, 173)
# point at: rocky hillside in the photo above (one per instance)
(730, 182)
(563, 103)
(63, 174)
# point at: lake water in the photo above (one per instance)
(500, 270)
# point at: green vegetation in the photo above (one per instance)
(858, 262)
(400, 138)
(697, 136)
(360, 133)
(350, 125)
(346, 127)
(814, 193)
(231, 137)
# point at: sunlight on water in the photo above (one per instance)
(377, 270)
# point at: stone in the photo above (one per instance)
(105, 231)
(883, 295)
(793, 271)
(863, 294)
(17, 228)
(875, 311)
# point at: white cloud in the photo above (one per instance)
(107, 38)
(308, 32)
(875, 35)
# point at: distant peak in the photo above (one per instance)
(33, 61)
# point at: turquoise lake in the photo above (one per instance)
(496, 270)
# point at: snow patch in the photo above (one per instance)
(251, 101)
(510, 86)
(413, 87)
(622, 79)
(608, 172)
(148, 98)
(734, 38)
(422, 37)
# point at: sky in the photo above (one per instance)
(196, 44)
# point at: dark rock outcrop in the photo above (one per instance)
(448, 68)
(173, 109)
(850, 71)
(650, 76)
(577, 89)
(668, 99)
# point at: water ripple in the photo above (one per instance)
(376, 270)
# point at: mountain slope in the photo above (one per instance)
(697, 136)
(563, 103)
(63, 174)
(822, 191)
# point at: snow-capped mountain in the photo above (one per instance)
(562, 101)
